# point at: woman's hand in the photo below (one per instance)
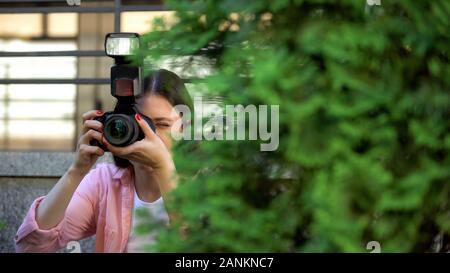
(53, 207)
(86, 155)
(151, 152)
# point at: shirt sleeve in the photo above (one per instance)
(78, 221)
(156, 209)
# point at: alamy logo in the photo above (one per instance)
(73, 2)
(373, 2)
(235, 122)
(375, 246)
(74, 247)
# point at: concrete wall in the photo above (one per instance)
(24, 176)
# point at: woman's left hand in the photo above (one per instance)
(149, 151)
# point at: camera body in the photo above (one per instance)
(121, 129)
(119, 126)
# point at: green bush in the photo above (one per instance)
(364, 126)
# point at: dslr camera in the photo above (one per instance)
(119, 126)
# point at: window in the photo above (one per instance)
(141, 22)
(37, 116)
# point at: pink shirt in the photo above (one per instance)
(101, 205)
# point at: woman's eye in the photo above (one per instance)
(163, 125)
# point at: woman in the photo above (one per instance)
(101, 201)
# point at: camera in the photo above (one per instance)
(119, 126)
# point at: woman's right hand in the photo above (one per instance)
(53, 207)
(86, 155)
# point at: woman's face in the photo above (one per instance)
(163, 115)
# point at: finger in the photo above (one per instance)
(91, 114)
(89, 135)
(148, 132)
(92, 124)
(91, 150)
(120, 151)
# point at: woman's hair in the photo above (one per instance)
(167, 84)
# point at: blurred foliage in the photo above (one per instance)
(364, 95)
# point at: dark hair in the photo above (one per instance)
(167, 84)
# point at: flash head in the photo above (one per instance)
(121, 44)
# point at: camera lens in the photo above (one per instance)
(120, 130)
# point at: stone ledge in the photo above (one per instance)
(38, 164)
